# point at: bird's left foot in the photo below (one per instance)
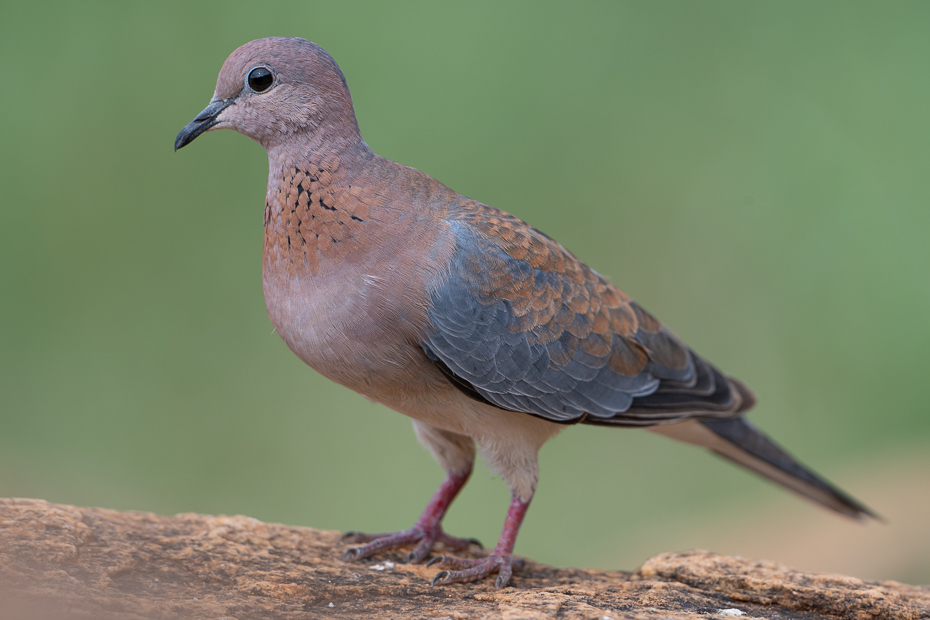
(421, 537)
(473, 570)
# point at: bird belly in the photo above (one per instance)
(331, 322)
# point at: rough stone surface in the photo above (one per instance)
(64, 562)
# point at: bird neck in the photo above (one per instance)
(312, 209)
(314, 144)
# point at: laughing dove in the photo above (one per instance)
(479, 327)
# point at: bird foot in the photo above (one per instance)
(423, 539)
(473, 570)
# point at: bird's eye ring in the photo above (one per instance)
(260, 79)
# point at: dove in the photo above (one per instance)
(482, 329)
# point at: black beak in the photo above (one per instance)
(204, 121)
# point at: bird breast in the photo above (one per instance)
(345, 277)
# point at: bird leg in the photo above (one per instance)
(500, 561)
(426, 531)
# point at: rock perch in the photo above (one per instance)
(62, 562)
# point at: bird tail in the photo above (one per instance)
(741, 442)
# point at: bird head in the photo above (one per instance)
(279, 90)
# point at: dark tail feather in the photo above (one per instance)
(744, 444)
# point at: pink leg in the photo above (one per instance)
(500, 560)
(424, 533)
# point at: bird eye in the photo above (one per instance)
(260, 79)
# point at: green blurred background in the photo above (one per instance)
(755, 174)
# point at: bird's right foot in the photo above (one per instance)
(473, 570)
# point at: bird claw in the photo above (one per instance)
(439, 577)
(424, 539)
(504, 575)
(473, 570)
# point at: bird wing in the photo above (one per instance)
(520, 323)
